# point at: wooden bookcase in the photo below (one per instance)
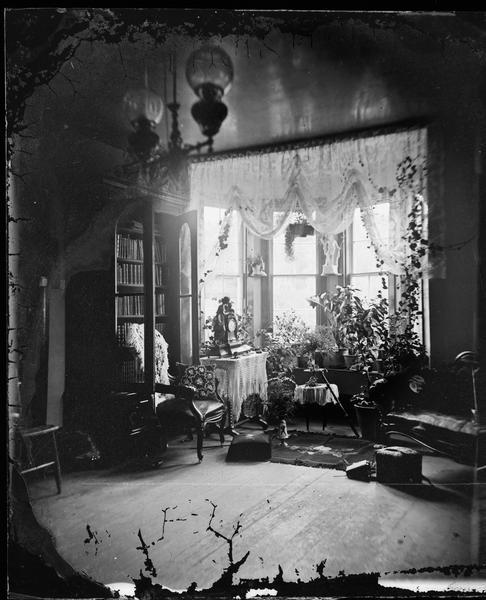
(151, 281)
(131, 292)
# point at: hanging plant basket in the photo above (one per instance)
(296, 230)
(300, 229)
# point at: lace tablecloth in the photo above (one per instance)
(240, 377)
(318, 394)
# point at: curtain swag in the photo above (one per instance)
(328, 182)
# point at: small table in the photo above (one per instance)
(320, 394)
(240, 377)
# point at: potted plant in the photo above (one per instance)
(280, 403)
(369, 413)
(283, 342)
(402, 349)
(319, 345)
(209, 347)
(358, 327)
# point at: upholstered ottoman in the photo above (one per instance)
(397, 464)
(250, 447)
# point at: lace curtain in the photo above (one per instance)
(328, 182)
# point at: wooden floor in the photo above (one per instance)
(110, 523)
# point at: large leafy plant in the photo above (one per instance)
(320, 339)
(358, 326)
(282, 341)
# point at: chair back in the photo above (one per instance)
(202, 379)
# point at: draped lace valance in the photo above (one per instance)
(328, 182)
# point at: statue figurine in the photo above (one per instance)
(225, 327)
(332, 250)
(282, 432)
(220, 321)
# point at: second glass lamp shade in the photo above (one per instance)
(209, 66)
(141, 104)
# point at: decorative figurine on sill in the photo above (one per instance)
(256, 267)
(332, 250)
(283, 433)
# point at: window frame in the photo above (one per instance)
(271, 276)
(241, 275)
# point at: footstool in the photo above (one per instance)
(250, 447)
(397, 464)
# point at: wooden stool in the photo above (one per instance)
(29, 464)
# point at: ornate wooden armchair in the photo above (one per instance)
(192, 401)
(441, 413)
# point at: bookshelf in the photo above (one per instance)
(132, 293)
(109, 388)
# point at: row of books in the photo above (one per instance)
(160, 303)
(130, 305)
(133, 305)
(132, 274)
(129, 247)
(122, 331)
(132, 248)
(130, 372)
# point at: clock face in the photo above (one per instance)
(231, 324)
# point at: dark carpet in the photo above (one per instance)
(325, 451)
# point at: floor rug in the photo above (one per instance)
(325, 451)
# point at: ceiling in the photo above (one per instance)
(349, 74)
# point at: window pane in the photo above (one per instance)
(229, 261)
(304, 252)
(363, 258)
(185, 330)
(369, 285)
(381, 214)
(291, 293)
(185, 266)
(220, 286)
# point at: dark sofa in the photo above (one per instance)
(436, 408)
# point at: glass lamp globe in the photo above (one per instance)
(209, 71)
(143, 104)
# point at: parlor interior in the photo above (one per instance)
(107, 243)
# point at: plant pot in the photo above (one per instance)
(332, 359)
(379, 365)
(300, 229)
(302, 362)
(368, 422)
(349, 360)
(319, 359)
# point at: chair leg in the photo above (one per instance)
(231, 424)
(221, 428)
(324, 418)
(200, 438)
(57, 472)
